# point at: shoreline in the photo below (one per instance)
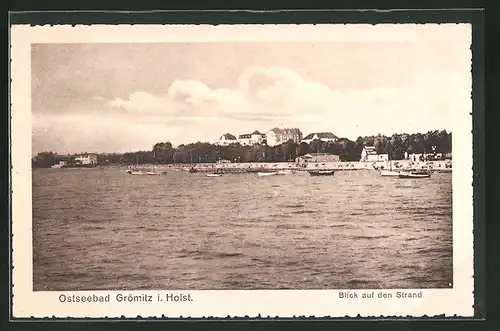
(440, 166)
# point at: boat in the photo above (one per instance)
(266, 174)
(321, 172)
(415, 174)
(135, 171)
(214, 175)
(389, 173)
(284, 172)
(152, 172)
(132, 172)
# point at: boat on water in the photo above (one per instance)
(321, 172)
(214, 175)
(135, 172)
(415, 174)
(284, 172)
(266, 174)
(389, 173)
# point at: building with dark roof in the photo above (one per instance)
(227, 139)
(249, 139)
(322, 136)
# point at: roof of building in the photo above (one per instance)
(285, 130)
(275, 130)
(86, 155)
(321, 135)
(228, 136)
(256, 132)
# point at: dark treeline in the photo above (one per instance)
(164, 153)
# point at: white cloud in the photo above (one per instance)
(278, 92)
(190, 111)
(143, 102)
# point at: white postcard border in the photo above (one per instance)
(283, 303)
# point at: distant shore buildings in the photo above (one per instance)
(86, 159)
(251, 139)
(76, 161)
(275, 136)
(227, 139)
(369, 154)
(317, 158)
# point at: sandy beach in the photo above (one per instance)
(444, 166)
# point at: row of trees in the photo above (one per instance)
(164, 153)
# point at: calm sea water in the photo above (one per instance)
(103, 229)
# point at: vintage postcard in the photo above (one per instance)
(242, 170)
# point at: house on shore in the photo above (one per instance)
(422, 157)
(227, 139)
(70, 161)
(277, 136)
(322, 136)
(317, 158)
(369, 154)
(86, 159)
(250, 139)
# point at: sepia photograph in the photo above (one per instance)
(242, 165)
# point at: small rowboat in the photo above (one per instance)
(389, 173)
(321, 172)
(415, 174)
(132, 172)
(214, 175)
(266, 174)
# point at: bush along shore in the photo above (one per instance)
(164, 153)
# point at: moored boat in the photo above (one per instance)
(266, 174)
(415, 174)
(214, 175)
(389, 173)
(321, 172)
(135, 172)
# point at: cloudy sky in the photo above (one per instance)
(125, 97)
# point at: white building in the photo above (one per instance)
(227, 139)
(251, 139)
(322, 136)
(86, 159)
(278, 136)
(317, 158)
(369, 154)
